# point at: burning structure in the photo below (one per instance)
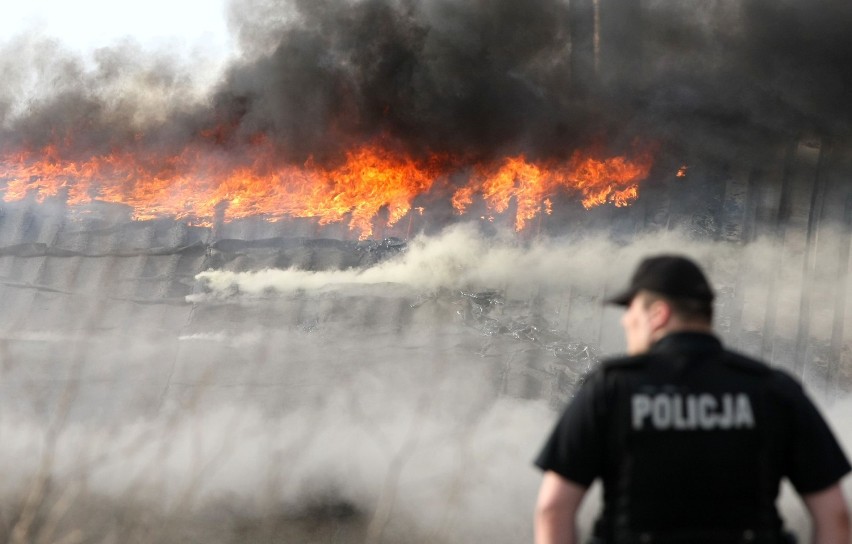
(295, 307)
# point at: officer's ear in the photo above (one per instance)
(659, 313)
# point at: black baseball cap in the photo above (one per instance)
(672, 276)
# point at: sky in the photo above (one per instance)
(186, 26)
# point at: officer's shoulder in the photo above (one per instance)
(780, 379)
(625, 363)
(747, 364)
(611, 366)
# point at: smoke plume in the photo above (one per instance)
(468, 79)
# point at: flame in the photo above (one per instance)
(599, 181)
(200, 183)
(681, 173)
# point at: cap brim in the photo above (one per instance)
(621, 299)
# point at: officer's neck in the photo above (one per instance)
(674, 326)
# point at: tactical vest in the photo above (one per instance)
(689, 453)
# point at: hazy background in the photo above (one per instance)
(395, 402)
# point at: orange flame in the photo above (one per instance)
(195, 182)
(599, 181)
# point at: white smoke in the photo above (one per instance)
(461, 258)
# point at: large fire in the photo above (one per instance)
(196, 183)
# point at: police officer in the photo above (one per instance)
(690, 440)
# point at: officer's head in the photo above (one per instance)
(667, 293)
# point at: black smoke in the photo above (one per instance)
(748, 71)
(500, 76)
(473, 79)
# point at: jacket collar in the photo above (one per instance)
(686, 341)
